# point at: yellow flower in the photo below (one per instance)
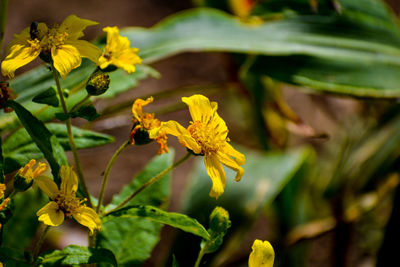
(144, 122)
(64, 201)
(118, 52)
(242, 8)
(29, 173)
(2, 190)
(207, 135)
(60, 42)
(263, 254)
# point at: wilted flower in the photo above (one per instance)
(143, 123)
(6, 93)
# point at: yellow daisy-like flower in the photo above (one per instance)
(29, 173)
(207, 135)
(263, 254)
(60, 42)
(64, 201)
(118, 52)
(143, 123)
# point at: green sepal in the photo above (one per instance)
(48, 97)
(21, 184)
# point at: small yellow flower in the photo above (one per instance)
(60, 42)
(118, 52)
(263, 254)
(29, 173)
(2, 190)
(64, 201)
(144, 122)
(207, 135)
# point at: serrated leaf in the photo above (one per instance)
(48, 97)
(74, 254)
(46, 142)
(173, 219)
(19, 148)
(132, 239)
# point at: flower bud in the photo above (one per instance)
(219, 220)
(98, 83)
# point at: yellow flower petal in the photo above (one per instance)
(239, 157)
(48, 186)
(263, 254)
(137, 107)
(86, 49)
(231, 163)
(20, 55)
(200, 107)
(51, 214)
(88, 217)
(118, 52)
(69, 180)
(74, 26)
(184, 137)
(66, 58)
(217, 174)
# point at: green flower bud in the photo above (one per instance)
(219, 225)
(98, 83)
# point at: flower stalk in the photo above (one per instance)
(71, 138)
(150, 182)
(107, 173)
(40, 242)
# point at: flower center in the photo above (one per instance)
(35, 44)
(207, 135)
(69, 204)
(54, 38)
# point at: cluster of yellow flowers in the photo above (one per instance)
(61, 46)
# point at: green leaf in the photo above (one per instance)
(40, 79)
(19, 148)
(21, 228)
(132, 239)
(11, 257)
(88, 112)
(366, 46)
(46, 142)
(74, 254)
(48, 97)
(173, 219)
(174, 261)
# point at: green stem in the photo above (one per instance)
(71, 138)
(200, 256)
(80, 103)
(3, 20)
(40, 242)
(107, 173)
(150, 182)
